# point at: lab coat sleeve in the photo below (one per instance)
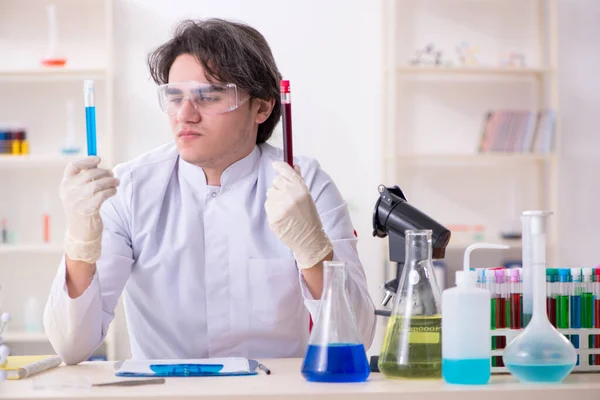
(337, 224)
(77, 326)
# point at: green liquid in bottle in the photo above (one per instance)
(418, 356)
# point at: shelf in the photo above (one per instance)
(24, 337)
(475, 158)
(52, 74)
(31, 249)
(472, 70)
(513, 244)
(33, 337)
(31, 160)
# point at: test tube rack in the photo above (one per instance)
(583, 352)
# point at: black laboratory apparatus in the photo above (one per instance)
(392, 216)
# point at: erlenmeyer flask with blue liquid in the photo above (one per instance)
(335, 350)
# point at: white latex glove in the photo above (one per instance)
(293, 217)
(83, 189)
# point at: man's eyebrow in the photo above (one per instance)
(172, 90)
(213, 88)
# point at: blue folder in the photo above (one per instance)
(227, 366)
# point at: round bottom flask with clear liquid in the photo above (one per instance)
(540, 354)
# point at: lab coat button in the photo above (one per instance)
(214, 194)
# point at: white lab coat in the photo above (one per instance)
(201, 272)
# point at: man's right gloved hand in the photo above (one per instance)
(83, 189)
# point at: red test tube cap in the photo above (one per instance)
(284, 86)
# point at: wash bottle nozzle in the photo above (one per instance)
(468, 276)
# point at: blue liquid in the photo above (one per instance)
(90, 126)
(540, 373)
(575, 311)
(338, 362)
(475, 371)
(575, 320)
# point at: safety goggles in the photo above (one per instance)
(206, 98)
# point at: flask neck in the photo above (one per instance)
(418, 246)
(334, 280)
(538, 267)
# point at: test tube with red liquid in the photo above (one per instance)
(286, 119)
(597, 311)
(515, 299)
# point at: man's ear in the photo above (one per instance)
(264, 110)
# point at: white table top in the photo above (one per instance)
(286, 382)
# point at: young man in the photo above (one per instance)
(217, 245)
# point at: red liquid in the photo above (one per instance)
(515, 311)
(286, 118)
(597, 325)
(500, 323)
(551, 309)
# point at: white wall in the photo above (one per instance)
(335, 72)
(579, 58)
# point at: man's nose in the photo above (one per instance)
(188, 113)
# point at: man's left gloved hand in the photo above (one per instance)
(293, 217)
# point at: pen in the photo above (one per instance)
(133, 382)
(265, 369)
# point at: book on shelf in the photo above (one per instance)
(518, 131)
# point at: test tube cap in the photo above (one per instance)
(587, 271)
(575, 271)
(564, 274)
(284, 86)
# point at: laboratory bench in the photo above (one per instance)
(286, 382)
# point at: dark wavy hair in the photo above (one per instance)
(229, 52)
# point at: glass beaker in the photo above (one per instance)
(335, 350)
(540, 353)
(412, 347)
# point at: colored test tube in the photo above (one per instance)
(490, 281)
(286, 122)
(515, 299)
(576, 290)
(587, 306)
(480, 277)
(501, 294)
(562, 303)
(597, 312)
(90, 116)
(550, 295)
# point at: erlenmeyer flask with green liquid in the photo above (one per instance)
(412, 348)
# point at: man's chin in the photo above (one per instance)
(195, 157)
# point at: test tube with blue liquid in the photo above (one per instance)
(90, 116)
(576, 290)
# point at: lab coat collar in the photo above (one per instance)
(241, 168)
(232, 174)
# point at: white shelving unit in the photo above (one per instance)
(53, 74)
(31, 249)
(471, 70)
(36, 96)
(34, 161)
(433, 115)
